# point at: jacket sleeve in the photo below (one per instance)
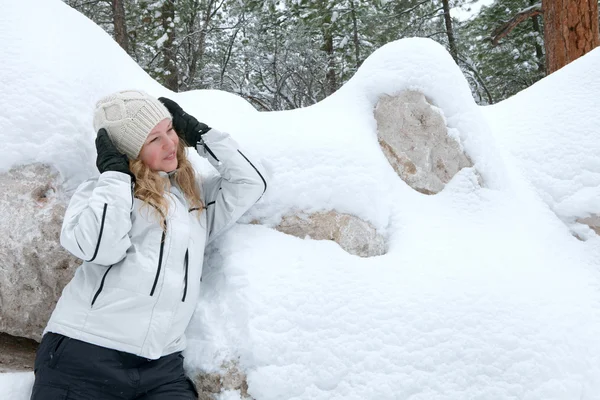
(240, 183)
(98, 220)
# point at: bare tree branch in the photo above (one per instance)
(505, 29)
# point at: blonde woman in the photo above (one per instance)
(117, 331)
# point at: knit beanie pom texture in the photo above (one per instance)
(128, 117)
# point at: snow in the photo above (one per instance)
(161, 40)
(484, 293)
(467, 11)
(557, 142)
(16, 385)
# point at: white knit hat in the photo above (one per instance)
(128, 117)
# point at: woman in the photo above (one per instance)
(117, 331)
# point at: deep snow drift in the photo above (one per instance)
(553, 128)
(483, 293)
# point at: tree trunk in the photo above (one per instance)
(120, 27)
(197, 55)
(570, 30)
(355, 34)
(449, 31)
(168, 49)
(275, 100)
(330, 82)
(199, 47)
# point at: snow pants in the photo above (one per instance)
(69, 369)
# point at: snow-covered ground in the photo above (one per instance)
(553, 128)
(484, 293)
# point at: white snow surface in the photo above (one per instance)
(16, 385)
(483, 293)
(553, 129)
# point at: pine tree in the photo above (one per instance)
(516, 61)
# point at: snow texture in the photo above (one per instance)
(553, 129)
(483, 293)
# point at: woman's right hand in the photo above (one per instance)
(109, 158)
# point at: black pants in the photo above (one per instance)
(69, 369)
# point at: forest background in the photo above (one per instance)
(286, 54)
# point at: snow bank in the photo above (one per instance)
(553, 129)
(483, 292)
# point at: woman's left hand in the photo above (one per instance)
(186, 126)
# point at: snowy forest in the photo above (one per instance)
(286, 54)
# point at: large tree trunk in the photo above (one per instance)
(570, 30)
(119, 24)
(449, 31)
(168, 48)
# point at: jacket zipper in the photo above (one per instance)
(160, 256)
(185, 279)
(101, 285)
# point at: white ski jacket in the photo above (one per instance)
(139, 285)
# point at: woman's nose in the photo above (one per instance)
(169, 143)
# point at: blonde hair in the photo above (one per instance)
(150, 187)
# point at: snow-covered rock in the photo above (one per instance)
(229, 378)
(592, 221)
(415, 140)
(34, 267)
(351, 233)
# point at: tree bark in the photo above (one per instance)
(168, 48)
(330, 81)
(355, 35)
(449, 31)
(120, 26)
(570, 30)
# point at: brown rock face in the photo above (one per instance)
(211, 384)
(354, 235)
(415, 140)
(34, 267)
(16, 354)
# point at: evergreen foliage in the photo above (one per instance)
(285, 54)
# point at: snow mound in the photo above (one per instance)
(483, 292)
(553, 129)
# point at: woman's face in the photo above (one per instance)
(159, 152)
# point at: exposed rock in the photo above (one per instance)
(34, 268)
(231, 378)
(16, 354)
(414, 138)
(351, 233)
(593, 222)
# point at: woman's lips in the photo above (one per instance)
(170, 156)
